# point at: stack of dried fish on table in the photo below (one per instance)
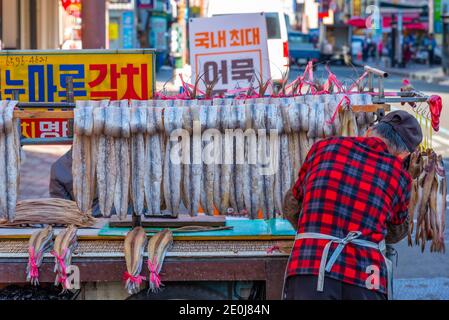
(135, 243)
(40, 242)
(428, 200)
(52, 211)
(64, 246)
(9, 160)
(225, 156)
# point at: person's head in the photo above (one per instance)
(431, 35)
(400, 131)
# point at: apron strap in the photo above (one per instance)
(326, 266)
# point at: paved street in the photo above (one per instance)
(418, 276)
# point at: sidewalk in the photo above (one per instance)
(413, 71)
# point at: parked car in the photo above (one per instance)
(301, 48)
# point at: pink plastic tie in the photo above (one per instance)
(273, 249)
(133, 279)
(332, 119)
(63, 274)
(356, 83)
(34, 270)
(154, 274)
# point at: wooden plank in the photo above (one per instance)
(181, 221)
(370, 107)
(43, 114)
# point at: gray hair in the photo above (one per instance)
(391, 137)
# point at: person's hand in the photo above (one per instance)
(291, 209)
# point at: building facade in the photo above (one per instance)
(30, 24)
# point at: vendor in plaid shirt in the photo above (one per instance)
(351, 198)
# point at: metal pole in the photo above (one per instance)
(393, 42)
(15, 94)
(70, 99)
(93, 15)
(69, 89)
(187, 31)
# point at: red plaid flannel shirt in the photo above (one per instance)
(348, 184)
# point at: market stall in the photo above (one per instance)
(202, 221)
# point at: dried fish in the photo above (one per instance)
(10, 160)
(84, 154)
(3, 170)
(64, 246)
(34, 212)
(135, 242)
(236, 199)
(40, 242)
(154, 155)
(222, 175)
(158, 246)
(123, 159)
(210, 145)
(251, 194)
(138, 128)
(173, 159)
(428, 200)
(441, 199)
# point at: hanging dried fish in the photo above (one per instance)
(426, 184)
(173, 158)
(441, 199)
(138, 126)
(107, 129)
(294, 114)
(251, 194)
(348, 123)
(83, 154)
(268, 158)
(187, 125)
(312, 117)
(154, 155)
(123, 159)
(236, 198)
(40, 242)
(135, 242)
(415, 197)
(64, 246)
(3, 161)
(10, 160)
(211, 143)
(428, 200)
(222, 175)
(193, 171)
(158, 246)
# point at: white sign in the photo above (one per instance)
(231, 49)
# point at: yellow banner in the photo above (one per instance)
(40, 76)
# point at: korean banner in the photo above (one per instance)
(231, 49)
(40, 76)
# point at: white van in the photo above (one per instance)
(276, 28)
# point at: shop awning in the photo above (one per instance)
(410, 22)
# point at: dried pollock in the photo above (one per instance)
(154, 155)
